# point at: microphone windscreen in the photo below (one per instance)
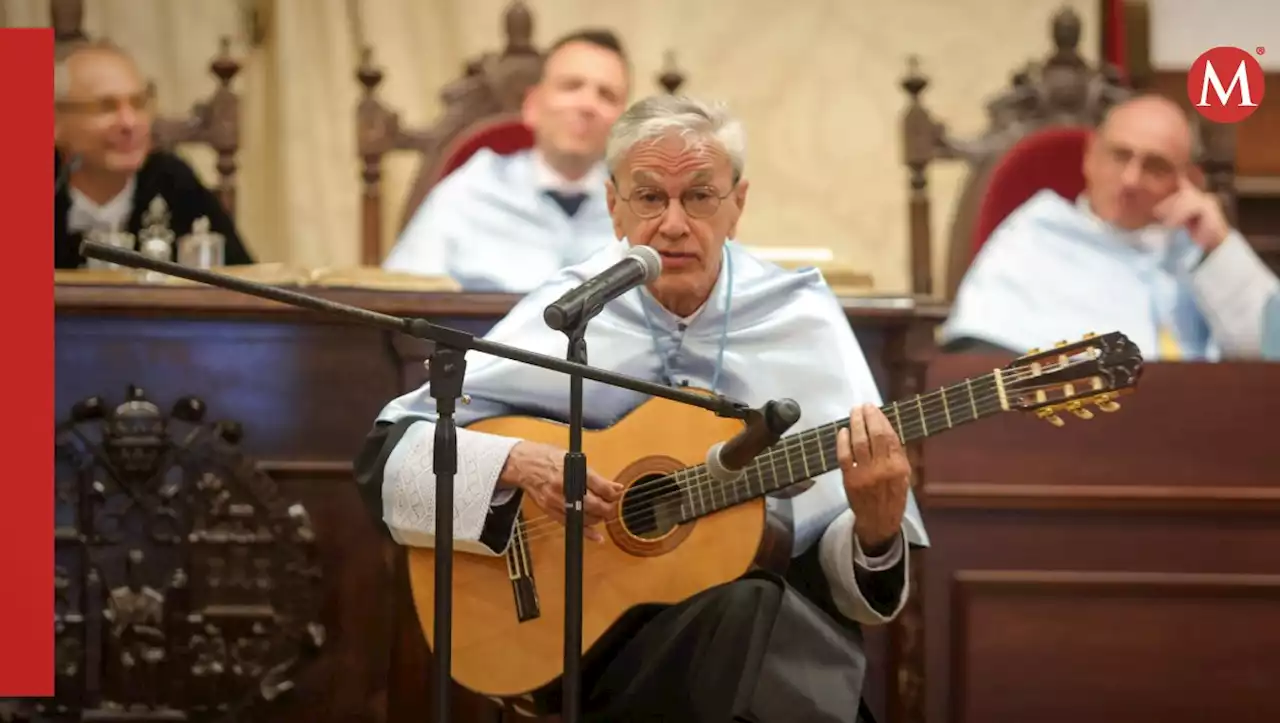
(650, 259)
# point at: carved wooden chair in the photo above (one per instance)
(1035, 140)
(482, 110)
(214, 122)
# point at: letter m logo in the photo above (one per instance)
(1234, 100)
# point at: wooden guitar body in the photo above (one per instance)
(508, 610)
(498, 655)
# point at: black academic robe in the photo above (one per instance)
(162, 174)
(761, 649)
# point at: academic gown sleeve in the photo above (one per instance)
(423, 246)
(869, 589)
(395, 470)
(1233, 287)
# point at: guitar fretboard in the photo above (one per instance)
(813, 452)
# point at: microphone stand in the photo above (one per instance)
(447, 367)
(575, 490)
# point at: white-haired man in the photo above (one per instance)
(721, 319)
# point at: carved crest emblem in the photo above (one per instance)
(186, 587)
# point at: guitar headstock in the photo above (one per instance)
(1073, 376)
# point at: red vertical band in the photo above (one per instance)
(26, 507)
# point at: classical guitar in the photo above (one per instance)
(677, 532)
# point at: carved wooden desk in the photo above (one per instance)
(1120, 568)
(299, 391)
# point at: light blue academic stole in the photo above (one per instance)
(1053, 271)
(1271, 329)
(667, 377)
(1165, 260)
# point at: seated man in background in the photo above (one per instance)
(110, 177)
(760, 648)
(507, 223)
(1142, 251)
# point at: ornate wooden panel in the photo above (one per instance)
(187, 588)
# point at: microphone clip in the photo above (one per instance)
(765, 426)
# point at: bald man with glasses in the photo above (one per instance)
(110, 178)
(1143, 250)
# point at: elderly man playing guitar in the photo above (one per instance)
(744, 644)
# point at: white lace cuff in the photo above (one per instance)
(409, 491)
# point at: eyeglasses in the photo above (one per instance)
(1150, 165)
(698, 202)
(140, 102)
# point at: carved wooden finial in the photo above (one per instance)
(67, 19)
(518, 23)
(1066, 31)
(914, 82)
(224, 65)
(670, 78)
(369, 75)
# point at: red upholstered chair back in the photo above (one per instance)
(1048, 158)
(481, 110)
(1036, 132)
(503, 136)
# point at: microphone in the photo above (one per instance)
(641, 266)
(727, 460)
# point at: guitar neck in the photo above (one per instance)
(813, 452)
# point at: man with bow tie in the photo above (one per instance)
(506, 223)
(1143, 250)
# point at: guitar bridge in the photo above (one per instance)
(520, 572)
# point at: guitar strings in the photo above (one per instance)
(702, 481)
(644, 490)
(669, 500)
(695, 479)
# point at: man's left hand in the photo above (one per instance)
(877, 476)
(1198, 211)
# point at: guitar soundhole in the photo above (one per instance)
(651, 506)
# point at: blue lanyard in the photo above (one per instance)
(724, 330)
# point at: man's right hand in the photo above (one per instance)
(538, 469)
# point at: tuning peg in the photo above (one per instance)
(1036, 350)
(465, 399)
(1060, 344)
(1077, 408)
(1048, 416)
(1108, 406)
(1090, 335)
